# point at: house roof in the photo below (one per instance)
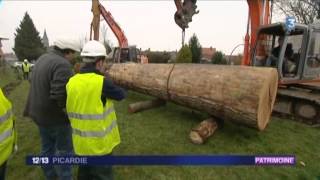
(207, 53)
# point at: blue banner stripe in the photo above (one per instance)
(161, 160)
(175, 160)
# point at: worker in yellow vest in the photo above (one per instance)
(91, 112)
(7, 133)
(25, 69)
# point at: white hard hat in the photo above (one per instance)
(93, 49)
(67, 43)
(25, 60)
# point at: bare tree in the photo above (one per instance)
(305, 11)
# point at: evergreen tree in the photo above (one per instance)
(218, 58)
(27, 42)
(184, 55)
(195, 48)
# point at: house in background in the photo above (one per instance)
(207, 54)
(173, 56)
(10, 57)
(1, 52)
(234, 59)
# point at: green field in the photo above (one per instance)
(165, 130)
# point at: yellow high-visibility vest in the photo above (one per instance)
(94, 125)
(7, 133)
(26, 67)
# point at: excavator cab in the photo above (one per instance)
(125, 55)
(295, 53)
(296, 56)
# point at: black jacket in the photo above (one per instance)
(47, 96)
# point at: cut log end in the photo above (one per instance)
(130, 109)
(195, 137)
(266, 101)
(203, 131)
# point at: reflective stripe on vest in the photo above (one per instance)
(5, 135)
(95, 133)
(5, 116)
(7, 132)
(91, 116)
(94, 124)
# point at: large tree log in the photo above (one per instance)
(241, 94)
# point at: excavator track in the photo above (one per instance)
(299, 103)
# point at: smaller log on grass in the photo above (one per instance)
(144, 105)
(203, 131)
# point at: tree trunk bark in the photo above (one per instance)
(241, 94)
(144, 105)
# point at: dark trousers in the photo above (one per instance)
(95, 173)
(3, 170)
(25, 75)
(56, 141)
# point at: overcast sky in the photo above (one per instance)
(147, 24)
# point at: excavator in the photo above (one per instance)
(297, 60)
(123, 53)
(294, 50)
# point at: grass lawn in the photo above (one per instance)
(7, 75)
(165, 130)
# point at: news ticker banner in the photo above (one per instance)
(223, 160)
